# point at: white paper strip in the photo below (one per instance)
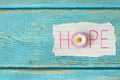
(100, 39)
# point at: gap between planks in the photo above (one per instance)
(60, 8)
(59, 68)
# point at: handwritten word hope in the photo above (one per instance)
(79, 40)
(84, 39)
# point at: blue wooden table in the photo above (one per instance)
(26, 40)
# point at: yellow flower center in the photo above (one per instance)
(79, 39)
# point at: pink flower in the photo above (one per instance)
(79, 40)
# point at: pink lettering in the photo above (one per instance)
(90, 35)
(76, 40)
(64, 40)
(103, 39)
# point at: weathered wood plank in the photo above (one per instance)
(26, 38)
(59, 4)
(59, 75)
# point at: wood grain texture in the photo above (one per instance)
(26, 38)
(59, 3)
(59, 75)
